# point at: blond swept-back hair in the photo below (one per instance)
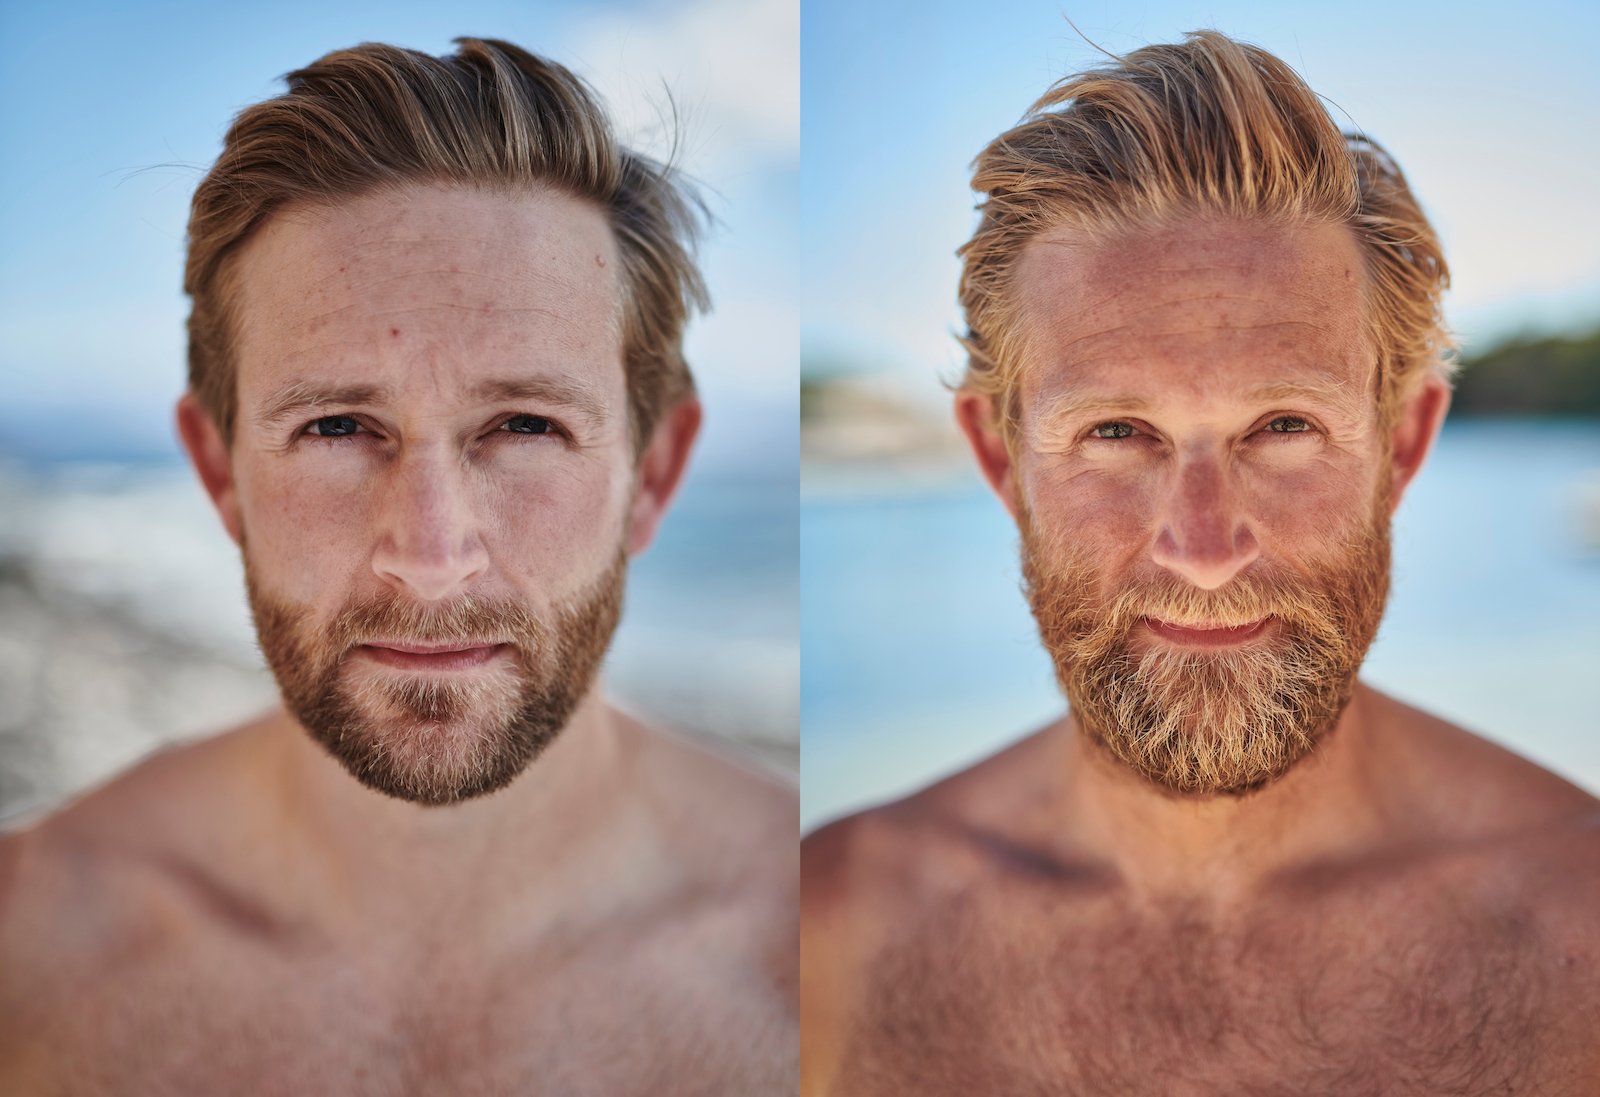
(1204, 128)
(491, 115)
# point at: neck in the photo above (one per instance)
(1220, 851)
(366, 858)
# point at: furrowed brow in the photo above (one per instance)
(547, 390)
(302, 396)
(1347, 397)
(1070, 407)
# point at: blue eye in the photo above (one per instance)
(333, 426)
(530, 424)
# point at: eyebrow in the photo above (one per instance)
(297, 397)
(1072, 406)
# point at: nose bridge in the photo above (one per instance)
(1205, 533)
(429, 537)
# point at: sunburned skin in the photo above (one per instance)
(478, 877)
(1398, 907)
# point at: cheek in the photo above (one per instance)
(1104, 515)
(547, 525)
(1304, 507)
(303, 530)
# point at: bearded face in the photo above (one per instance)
(437, 737)
(1209, 721)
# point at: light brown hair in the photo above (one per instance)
(358, 121)
(1206, 127)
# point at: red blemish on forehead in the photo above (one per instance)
(394, 331)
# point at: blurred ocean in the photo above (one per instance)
(123, 621)
(921, 656)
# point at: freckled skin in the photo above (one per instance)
(1408, 910)
(1203, 319)
(240, 915)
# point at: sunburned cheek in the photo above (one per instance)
(1312, 507)
(1092, 507)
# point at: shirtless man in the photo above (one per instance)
(438, 398)
(1206, 360)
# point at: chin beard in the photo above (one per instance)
(438, 739)
(1196, 722)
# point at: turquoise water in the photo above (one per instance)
(920, 656)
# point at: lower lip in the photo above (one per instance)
(465, 659)
(1206, 637)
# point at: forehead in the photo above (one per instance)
(431, 275)
(1197, 308)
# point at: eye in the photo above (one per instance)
(332, 426)
(530, 424)
(1288, 424)
(1112, 430)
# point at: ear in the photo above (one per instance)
(661, 471)
(978, 419)
(203, 441)
(1414, 430)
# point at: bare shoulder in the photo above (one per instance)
(78, 886)
(726, 812)
(730, 832)
(871, 878)
(938, 839)
(1471, 784)
(1519, 832)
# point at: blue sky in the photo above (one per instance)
(110, 113)
(1490, 109)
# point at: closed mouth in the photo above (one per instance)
(1206, 633)
(432, 658)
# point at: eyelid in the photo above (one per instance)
(557, 429)
(305, 430)
(1089, 434)
(1312, 426)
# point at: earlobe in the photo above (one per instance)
(661, 469)
(1414, 432)
(978, 419)
(203, 441)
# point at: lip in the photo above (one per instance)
(408, 656)
(1206, 637)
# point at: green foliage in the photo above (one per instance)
(1554, 375)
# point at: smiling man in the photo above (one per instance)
(1206, 359)
(438, 398)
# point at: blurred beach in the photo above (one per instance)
(124, 626)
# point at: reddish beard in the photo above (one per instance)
(434, 740)
(1203, 722)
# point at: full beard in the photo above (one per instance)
(1199, 722)
(438, 739)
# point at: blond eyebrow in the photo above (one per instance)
(303, 396)
(1072, 406)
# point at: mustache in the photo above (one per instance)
(468, 621)
(1242, 601)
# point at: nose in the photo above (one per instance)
(429, 538)
(1203, 534)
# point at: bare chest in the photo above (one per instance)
(262, 1024)
(1346, 1004)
